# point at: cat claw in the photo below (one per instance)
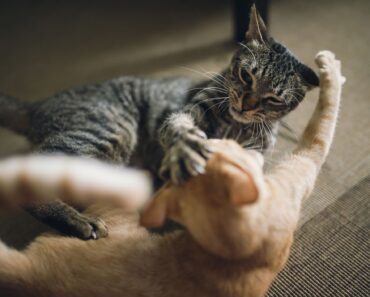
(199, 133)
(187, 157)
(199, 169)
(210, 149)
(88, 228)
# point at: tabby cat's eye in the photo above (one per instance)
(245, 76)
(272, 100)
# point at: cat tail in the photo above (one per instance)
(14, 114)
(76, 181)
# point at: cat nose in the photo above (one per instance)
(249, 103)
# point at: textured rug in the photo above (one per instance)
(331, 252)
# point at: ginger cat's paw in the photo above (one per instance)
(329, 69)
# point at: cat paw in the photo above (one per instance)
(329, 69)
(186, 157)
(86, 228)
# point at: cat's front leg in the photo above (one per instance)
(66, 219)
(186, 148)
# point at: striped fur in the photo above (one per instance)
(236, 240)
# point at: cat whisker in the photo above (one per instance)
(238, 136)
(269, 133)
(293, 94)
(249, 147)
(207, 100)
(293, 89)
(214, 105)
(221, 90)
(296, 99)
(226, 132)
(219, 77)
(267, 129)
(258, 133)
(216, 76)
(217, 81)
(224, 104)
(253, 131)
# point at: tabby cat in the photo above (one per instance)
(239, 227)
(162, 125)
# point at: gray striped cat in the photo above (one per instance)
(162, 125)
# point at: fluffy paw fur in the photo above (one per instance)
(329, 69)
(186, 157)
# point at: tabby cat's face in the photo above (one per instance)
(265, 81)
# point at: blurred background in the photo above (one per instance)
(47, 46)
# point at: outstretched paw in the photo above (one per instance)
(186, 157)
(68, 220)
(329, 69)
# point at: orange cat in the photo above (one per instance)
(239, 227)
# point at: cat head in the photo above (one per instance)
(265, 80)
(214, 207)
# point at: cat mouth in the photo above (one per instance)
(241, 116)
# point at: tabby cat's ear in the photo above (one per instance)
(257, 30)
(309, 77)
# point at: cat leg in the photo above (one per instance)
(293, 179)
(61, 216)
(68, 220)
(317, 136)
(185, 146)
